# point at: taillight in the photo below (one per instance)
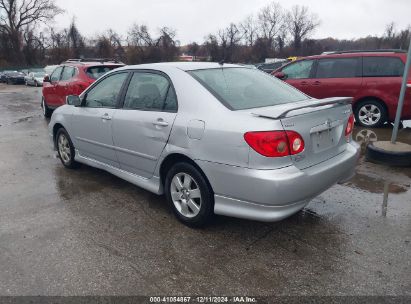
(350, 126)
(275, 143)
(296, 142)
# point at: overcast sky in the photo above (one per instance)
(193, 19)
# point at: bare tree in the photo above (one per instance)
(230, 38)
(271, 20)
(109, 45)
(390, 30)
(76, 40)
(15, 15)
(249, 30)
(212, 47)
(168, 46)
(139, 36)
(301, 24)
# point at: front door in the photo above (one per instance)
(92, 122)
(50, 88)
(298, 74)
(142, 127)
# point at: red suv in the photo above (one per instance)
(72, 78)
(372, 78)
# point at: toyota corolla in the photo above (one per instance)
(215, 139)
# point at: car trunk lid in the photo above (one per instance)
(321, 123)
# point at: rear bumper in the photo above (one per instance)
(272, 195)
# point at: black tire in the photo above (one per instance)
(67, 160)
(377, 155)
(368, 105)
(206, 208)
(46, 110)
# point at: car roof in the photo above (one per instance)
(91, 63)
(185, 66)
(356, 54)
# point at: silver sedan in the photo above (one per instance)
(215, 139)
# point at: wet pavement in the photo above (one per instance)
(86, 232)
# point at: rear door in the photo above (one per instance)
(92, 122)
(142, 127)
(50, 88)
(384, 74)
(336, 77)
(299, 74)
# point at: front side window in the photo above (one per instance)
(382, 67)
(299, 69)
(68, 73)
(106, 92)
(56, 74)
(243, 88)
(338, 68)
(150, 91)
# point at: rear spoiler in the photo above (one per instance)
(309, 104)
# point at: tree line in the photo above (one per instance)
(271, 32)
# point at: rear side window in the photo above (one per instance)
(150, 91)
(68, 73)
(382, 67)
(299, 69)
(242, 88)
(338, 68)
(98, 71)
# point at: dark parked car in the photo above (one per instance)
(372, 78)
(3, 76)
(15, 78)
(270, 67)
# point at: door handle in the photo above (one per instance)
(317, 83)
(160, 123)
(106, 117)
(304, 83)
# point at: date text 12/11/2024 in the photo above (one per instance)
(203, 299)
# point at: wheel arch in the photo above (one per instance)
(365, 98)
(56, 127)
(175, 158)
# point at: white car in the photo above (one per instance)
(35, 79)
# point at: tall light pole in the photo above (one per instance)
(402, 96)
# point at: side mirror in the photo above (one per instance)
(280, 75)
(46, 78)
(73, 100)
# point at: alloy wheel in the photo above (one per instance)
(186, 195)
(369, 115)
(64, 148)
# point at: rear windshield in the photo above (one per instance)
(243, 88)
(98, 71)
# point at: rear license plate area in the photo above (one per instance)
(323, 140)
